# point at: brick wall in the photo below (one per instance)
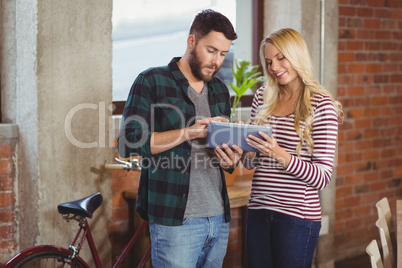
(8, 242)
(235, 255)
(370, 139)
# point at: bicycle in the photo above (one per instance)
(79, 210)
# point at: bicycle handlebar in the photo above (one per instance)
(116, 166)
(125, 165)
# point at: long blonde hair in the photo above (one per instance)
(293, 47)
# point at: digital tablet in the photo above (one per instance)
(232, 133)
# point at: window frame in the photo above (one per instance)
(257, 36)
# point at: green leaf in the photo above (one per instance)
(245, 77)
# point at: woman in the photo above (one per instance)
(284, 213)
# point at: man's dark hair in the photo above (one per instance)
(209, 20)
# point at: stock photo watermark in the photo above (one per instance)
(140, 130)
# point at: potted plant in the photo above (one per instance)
(245, 77)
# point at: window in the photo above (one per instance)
(150, 33)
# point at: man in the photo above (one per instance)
(182, 190)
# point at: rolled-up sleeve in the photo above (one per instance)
(135, 131)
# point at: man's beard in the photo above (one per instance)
(196, 67)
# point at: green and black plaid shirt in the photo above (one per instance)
(158, 102)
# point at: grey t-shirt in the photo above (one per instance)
(205, 194)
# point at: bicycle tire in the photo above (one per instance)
(45, 259)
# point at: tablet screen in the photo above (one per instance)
(232, 133)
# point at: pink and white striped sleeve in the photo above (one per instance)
(317, 173)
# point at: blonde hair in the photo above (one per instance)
(293, 47)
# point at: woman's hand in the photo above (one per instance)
(269, 147)
(266, 146)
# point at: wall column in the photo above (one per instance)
(58, 90)
(305, 17)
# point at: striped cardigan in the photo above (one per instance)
(294, 190)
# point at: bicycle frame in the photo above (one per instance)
(88, 235)
(84, 226)
(28, 251)
(79, 211)
(130, 245)
(84, 232)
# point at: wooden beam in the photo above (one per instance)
(258, 29)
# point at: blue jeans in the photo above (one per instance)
(199, 242)
(277, 240)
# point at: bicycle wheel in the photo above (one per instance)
(47, 259)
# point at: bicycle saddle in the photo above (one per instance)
(83, 207)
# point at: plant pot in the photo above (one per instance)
(239, 173)
(230, 178)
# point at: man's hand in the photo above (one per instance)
(198, 130)
(163, 141)
(200, 127)
(227, 157)
(219, 119)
